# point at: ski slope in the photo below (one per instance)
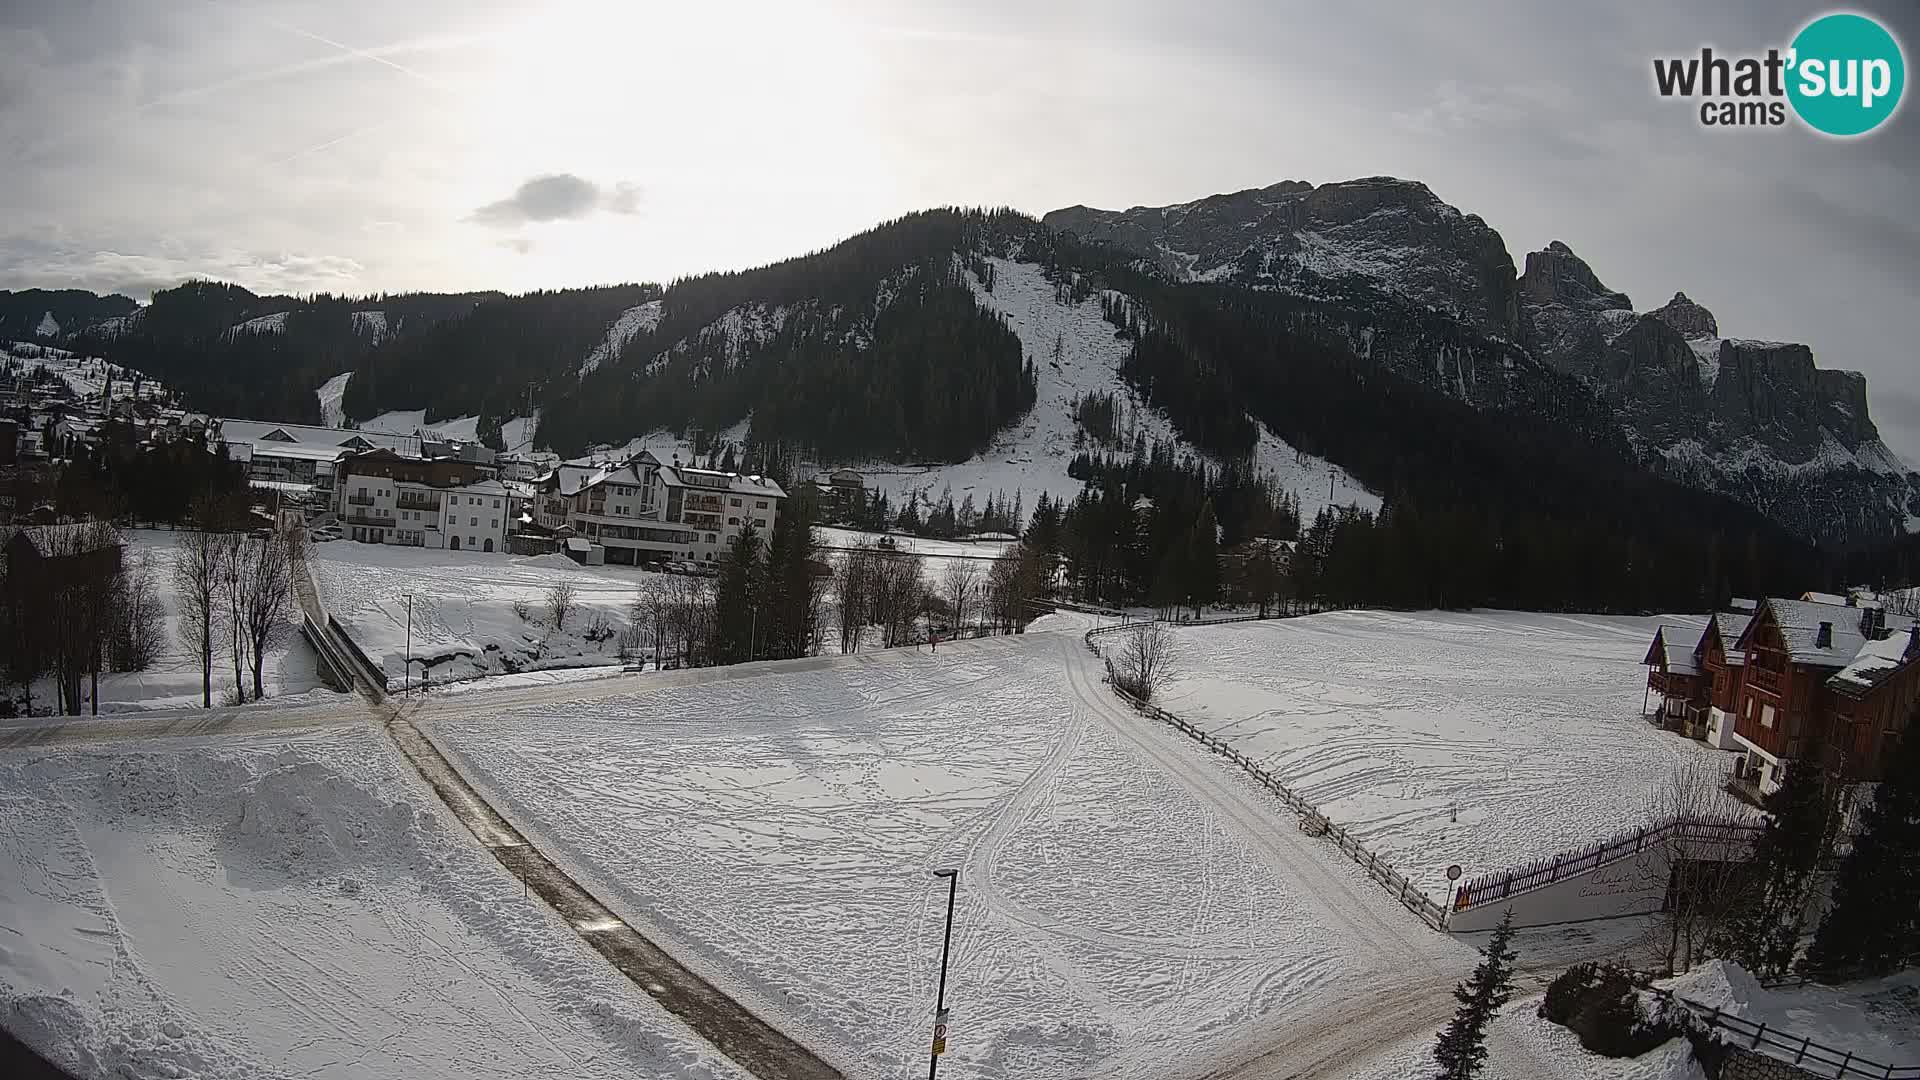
(1484, 738)
(291, 904)
(330, 394)
(1127, 909)
(1075, 353)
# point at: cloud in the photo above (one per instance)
(557, 197)
(53, 263)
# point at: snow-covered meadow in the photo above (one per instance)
(291, 905)
(463, 618)
(1480, 738)
(777, 830)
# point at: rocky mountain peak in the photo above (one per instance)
(1692, 320)
(1555, 275)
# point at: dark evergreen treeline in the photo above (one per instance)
(123, 479)
(1537, 504)
(193, 339)
(874, 347)
(21, 313)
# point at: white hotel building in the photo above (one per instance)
(646, 511)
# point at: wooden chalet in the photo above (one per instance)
(1698, 677)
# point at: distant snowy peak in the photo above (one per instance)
(118, 326)
(1387, 234)
(371, 325)
(629, 324)
(275, 323)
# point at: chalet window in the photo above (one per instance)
(760, 505)
(734, 502)
(473, 522)
(496, 504)
(733, 521)
(1766, 716)
(760, 522)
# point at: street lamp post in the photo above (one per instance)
(940, 1000)
(406, 674)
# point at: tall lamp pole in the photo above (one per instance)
(406, 676)
(940, 1001)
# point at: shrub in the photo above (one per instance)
(1601, 1004)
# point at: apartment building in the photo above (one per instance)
(383, 497)
(646, 511)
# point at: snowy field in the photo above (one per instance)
(935, 555)
(778, 831)
(1484, 739)
(86, 376)
(464, 624)
(173, 681)
(291, 906)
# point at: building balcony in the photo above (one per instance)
(361, 518)
(416, 503)
(1767, 679)
(360, 500)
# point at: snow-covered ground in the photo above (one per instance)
(86, 376)
(935, 555)
(330, 393)
(291, 905)
(1522, 1046)
(1483, 738)
(464, 624)
(1032, 456)
(1878, 1019)
(780, 831)
(639, 319)
(173, 682)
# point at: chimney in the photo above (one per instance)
(1824, 639)
(1913, 641)
(1873, 623)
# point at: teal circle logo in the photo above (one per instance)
(1846, 74)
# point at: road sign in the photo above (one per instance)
(1453, 872)
(940, 1033)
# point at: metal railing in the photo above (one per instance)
(360, 500)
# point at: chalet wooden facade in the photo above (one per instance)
(1817, 679)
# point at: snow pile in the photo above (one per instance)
(636, 320)
(1442, 737)
(1877, 1019)
(330, 394)
(291, 906)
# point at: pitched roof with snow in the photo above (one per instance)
(1876, 661)
(234, 430)
(1677, 657)
(1732, 626)
(1799, 622)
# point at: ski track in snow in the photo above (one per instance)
(1032, 455)
(291, 905)
(1440, 737)
(330, 393)
(1120, 913)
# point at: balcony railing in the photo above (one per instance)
(405, 502)
(358, 518)
(1766, 679)
(360, 500)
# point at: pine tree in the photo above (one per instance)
(737, 599)
(1203, 560)
(1873, 927)
(1461, 1049)
(1762, 932)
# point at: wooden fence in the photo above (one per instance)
(1539, 873)
(1799, 1051)
(1312, 820)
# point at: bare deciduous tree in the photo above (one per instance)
(959, 583)
(1143, 660)
(138, 618)
(267, 598)
(852, 577)
(1703, 874)
(897, 595)
(235, 572)
(560, 604)
(197, 569)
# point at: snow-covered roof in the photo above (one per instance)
(296, 451)
(1876, 660)
(1732, 626)
(234, 430)
(1678, 656)
(1799, 622)
(1812, 597)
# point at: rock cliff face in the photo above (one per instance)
(1386, 234)
(1755, 420)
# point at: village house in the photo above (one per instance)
(644, 511)
(385, 497)
(1818, 679)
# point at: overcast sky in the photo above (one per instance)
(369, 145)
